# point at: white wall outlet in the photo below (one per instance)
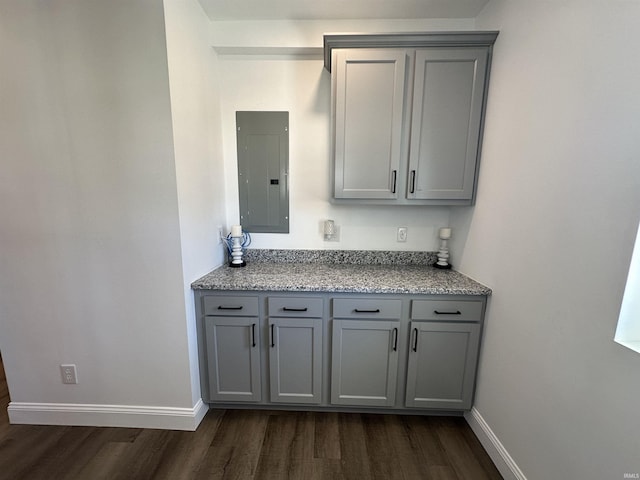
(402, 234)
(220, 234)
(69, 374)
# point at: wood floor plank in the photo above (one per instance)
(327, 436)
(140, 458)
(406, 448)
(383, 461)
(288, 450)
(186, 453)
(35, 440)
(460, 456)
(92, 445)
(480, 453)
(440, 472)
(353, 447)
(102, 466)
(421, 433)
(235, 449)
(55, 461)
(327, 469)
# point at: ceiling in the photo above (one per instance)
(340, 9)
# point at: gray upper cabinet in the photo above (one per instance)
(445, 125)
(369, 96)
(408, 114)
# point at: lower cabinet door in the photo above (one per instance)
(295, 360)
(442, 365)
(364, 364)
(233, 350)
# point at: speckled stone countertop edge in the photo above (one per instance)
(484, 291)
(339, 277)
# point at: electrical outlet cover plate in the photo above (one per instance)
(69, 374)
(402, 234)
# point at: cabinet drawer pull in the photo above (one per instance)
(413, 182)
(289, 309)
(457, 312)
(273, 339)
(373, 310)
(395, 339)
(232, 307)
(415, 340)
(253, 334)
(394, 175)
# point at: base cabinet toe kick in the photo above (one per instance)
(339, 352)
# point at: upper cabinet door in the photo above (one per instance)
(449, 89)
(369, 89)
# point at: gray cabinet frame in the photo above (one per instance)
(233, 344)
(442, 364)
(436, 162)
(295, 346)
(401, 311)
(364, 362)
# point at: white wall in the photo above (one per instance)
(552, 234)
(301, 86)
(288, 34)
(195, 108)
(90, 240)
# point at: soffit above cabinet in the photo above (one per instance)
(405, 40)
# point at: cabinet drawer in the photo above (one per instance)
(366, 308)
(231, 306)
(295, 307)
(449, 310)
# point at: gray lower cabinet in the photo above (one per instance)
(295, 350)
(232, 339)
(233, 350)
(442, 365)
(364, 352)
(364, 362)
(444, 339)
(330, 351)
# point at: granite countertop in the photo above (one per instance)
(339, 271)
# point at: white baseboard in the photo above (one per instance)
(501, 458)
(167, 418)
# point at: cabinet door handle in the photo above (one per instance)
(394, 175)
(289, 309)
(413, 181)
(273, 339)
(253, 334)
(359, 310)
(395, 339)
(415, 340)
(230, 307)
(457, 312)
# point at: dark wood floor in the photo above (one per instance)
(245, 444)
